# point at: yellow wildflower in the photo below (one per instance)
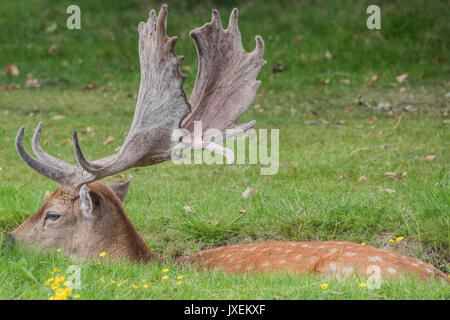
(363, 243)
(51, 298)
(47, 283)
(58, 250)
(55, 285)
(112, 282)
(399, 239)
(134, 286)
(144, 280)
(55, 271)
(392, 241)
(68, 292)
(77, 296)
(60, 294)
(119, 284)
(145, 286)
(102, 254)
(67, 283)
(102, 280)
(362, 284)
(59, 279)
(324, 286)
(179, 282)
(165, 270)
(180, 277)
(164, 277)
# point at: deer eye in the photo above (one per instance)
(52, 216)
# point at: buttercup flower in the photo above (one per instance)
(180, 277)
(362, 284)
(48, 281)
(399, 239)
(179, 282)
(164, 277)
(102, 254)
(165, 270)
(324, 286)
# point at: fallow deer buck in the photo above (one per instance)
(86, 217)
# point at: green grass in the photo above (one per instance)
(316, 195)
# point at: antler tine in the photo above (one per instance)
(44, 156)
(43, 168)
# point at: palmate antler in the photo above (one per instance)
(225, 87)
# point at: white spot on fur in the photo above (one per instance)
(348, 270)
(415, 264)
(265, 264)
(306, 245)
(252, 249)
(278, 249)
(332, 251)
(350, 254)
(375, 258)
(333, 266)
(293, 244)
(391, 270)
(298, 257)
(282, 261)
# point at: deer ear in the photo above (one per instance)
(90, 201)
(120, 189)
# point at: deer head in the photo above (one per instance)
(86, 217)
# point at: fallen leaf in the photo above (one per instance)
(88, 129)
(345, 176)
(258, 108)
(188, 209)
(298, 39)
(109, 140)
(374, 77)
(12, 86)
(372, 120)
(47, 141)
(402, 77)
(51, 27)
(402, 90)
(11, 69)
(326, 81)
(117, 149)
(268, 178)
(58, 117)
(186, 68)
(66, 141)
(349, 109)
(389, 190)
(5, 112)
(400, 175)
(345, 81)
(242, 211)
(430, 157)
(32, 83)
(328, 55)
(362, 178)
(314, 112)
(91, 86)
(248, 192)
(53, 50)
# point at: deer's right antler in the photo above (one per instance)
(225, 87)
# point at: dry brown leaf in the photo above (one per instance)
(88, 129)
(91, 86)
(374, 77)
(362, 178)
(389, 190)
(53, 50)
(326, 81)
(188, 209)
(66, 141)
(47, 141)
(58, 117)
(11, 69)
(248, 192)
(390, 174)
(402, 77)
(109, 140)
(345, 81)
(117, 149)
(402, 90)
(32, 83)
(5, 112)
(258, 108)
(242, 211)
(430, 157)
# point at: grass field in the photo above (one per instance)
(318, 193)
